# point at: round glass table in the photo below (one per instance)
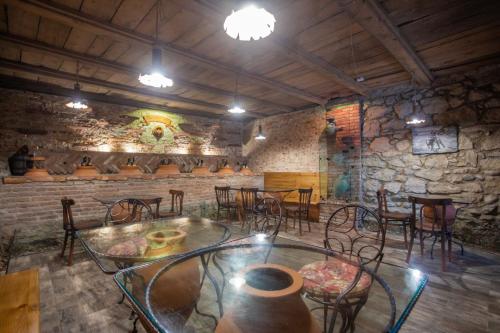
(258, 284)
(119, 246)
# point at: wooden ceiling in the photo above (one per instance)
(317, 50)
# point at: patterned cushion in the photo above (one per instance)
(327, 279)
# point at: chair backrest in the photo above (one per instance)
(382, 200)
(222, 195)
(128, 211)
(68, 222)
(305, 200)
(268, 216)
(248, 198)
(434, 213)
(177, 201)
(356, 231)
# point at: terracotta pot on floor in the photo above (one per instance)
(268, 301)
(174, 294)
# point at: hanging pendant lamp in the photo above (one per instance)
(260, 135)
(77, 102)
(155, 77)
(236, 107)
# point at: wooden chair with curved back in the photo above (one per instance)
(392, 218)
(71, 227)
(224, 201)
(248, 202)
(128, 211)
(300, 211)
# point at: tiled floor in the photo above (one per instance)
(465, 299)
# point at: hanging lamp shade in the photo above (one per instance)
(249, 22)
(260, 135)
(77, 102)
(155, 77)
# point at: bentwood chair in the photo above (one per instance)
(71, 227)
(300, 212)
(128, 211)
(248, 202)
(357, 233)
(225, 202)
(432, 213)
(392, 218)
(176, 204)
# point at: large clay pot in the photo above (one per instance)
(174, 294)
(130, 171)
(38, 171)
(167, 169)
(225, 171)
(86, 171)
(268, 301)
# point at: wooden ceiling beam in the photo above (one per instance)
(74, 18)
(285, 46)
(372, 17)
(70, 55)
(16, 83)
(43, 71)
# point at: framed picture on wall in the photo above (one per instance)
(434, 140)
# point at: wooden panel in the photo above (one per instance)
(295, 180)
(20, 302)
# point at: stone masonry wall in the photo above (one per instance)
(472, 175)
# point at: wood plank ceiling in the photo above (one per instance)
(318, 49)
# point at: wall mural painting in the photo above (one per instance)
(434, 140)
(159, 129)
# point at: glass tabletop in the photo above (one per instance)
(219, 289)
(120, 246)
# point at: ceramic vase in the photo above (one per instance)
(268, 301)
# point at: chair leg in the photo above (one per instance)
(420, 235)
(64, 243)
(228, 216)
(300, 225)
(405, 236)
(443, 251)
(449, 247)
(218, 214)
(71, 248)
(432, 247)
(410, 247)
(286, 221)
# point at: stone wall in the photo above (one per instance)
(472, 175)
(35, 210)
(291, 145)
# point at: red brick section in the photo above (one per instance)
(347, 119)
(29, 205)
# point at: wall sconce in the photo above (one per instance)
(260, 135)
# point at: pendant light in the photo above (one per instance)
(416, 119)
(260, 135)
(77, 102)
(249, 22)
(156, 77)
(236, 107)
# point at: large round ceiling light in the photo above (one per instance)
(249, 23)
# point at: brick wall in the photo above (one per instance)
(292, 142)
(35, 208)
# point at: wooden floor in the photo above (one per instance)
(464, 299)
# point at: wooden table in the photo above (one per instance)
(20, 302)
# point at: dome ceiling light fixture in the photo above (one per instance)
(156, 77)
(77, 102)
(236, 107)
(249, 23)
